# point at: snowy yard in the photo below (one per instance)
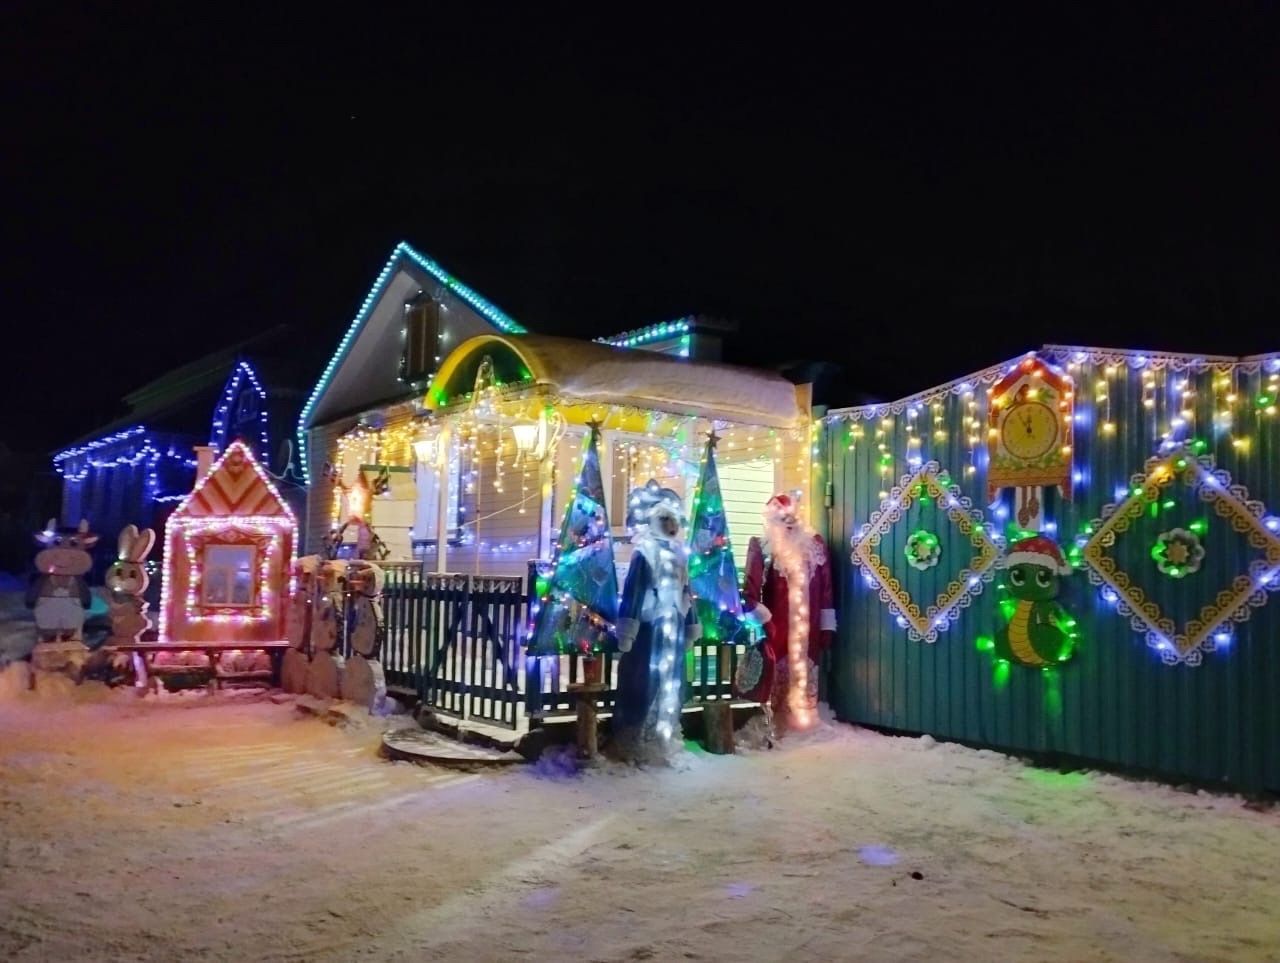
(236, 829)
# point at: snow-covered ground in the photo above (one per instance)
(231, 828)
(17, 627)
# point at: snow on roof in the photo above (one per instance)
(592, 372)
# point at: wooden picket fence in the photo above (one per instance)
(458, 642)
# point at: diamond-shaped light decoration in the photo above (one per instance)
(1120, 536)
(925, 618)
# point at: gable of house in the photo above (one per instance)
(235, 486)
(364, 371)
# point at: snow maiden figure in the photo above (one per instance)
(656, 621)
(788, 589)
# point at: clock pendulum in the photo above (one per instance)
(1030, 509)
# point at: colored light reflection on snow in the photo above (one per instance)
(874, 855)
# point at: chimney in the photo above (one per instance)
(204, 461)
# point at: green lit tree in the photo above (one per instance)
(578, 605)
(713, 577)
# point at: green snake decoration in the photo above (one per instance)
(1038, 632)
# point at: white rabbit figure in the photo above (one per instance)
(127, 580)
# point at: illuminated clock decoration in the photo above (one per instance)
(1029, 439)
(1030, 430)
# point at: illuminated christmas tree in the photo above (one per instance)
(578, 606)
(713, 577)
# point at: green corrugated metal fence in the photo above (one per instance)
(1116, 702)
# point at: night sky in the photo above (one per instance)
(912, 200)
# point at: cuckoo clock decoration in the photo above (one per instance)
(1030, 440)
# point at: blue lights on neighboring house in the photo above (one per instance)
(242, 412)
(134, 474)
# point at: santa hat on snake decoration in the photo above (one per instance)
(1039, 551)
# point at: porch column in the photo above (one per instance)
(547, 487)
(444, 443)
(605, 450)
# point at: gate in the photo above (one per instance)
(456, 640)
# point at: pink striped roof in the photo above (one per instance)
(235, 486)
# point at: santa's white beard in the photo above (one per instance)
(795, 550)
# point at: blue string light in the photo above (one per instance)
(402, 250)
(98, 443)
(654, 332)
(218, 433)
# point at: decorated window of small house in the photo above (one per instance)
(230, 575)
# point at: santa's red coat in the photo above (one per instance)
(766, 583)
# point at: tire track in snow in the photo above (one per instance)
(288, 789)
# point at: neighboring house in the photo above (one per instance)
(136, 468)
(454, 432)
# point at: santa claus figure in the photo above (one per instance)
(788, 589)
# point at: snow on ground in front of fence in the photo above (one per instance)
(232, 828)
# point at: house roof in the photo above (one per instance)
(590, 372)
(404, 260)
(235, 486)
(183, 400)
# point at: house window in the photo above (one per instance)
(428, 494)
(228, 580)
(421, 338)
(246, 407)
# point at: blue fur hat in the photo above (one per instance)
(643, 500)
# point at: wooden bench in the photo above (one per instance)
(147, 670)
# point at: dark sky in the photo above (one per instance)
(911, 199)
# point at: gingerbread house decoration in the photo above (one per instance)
(228, 555)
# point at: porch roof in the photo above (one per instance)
(592, 373)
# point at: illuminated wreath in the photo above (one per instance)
(1178, 553)
(922, 550)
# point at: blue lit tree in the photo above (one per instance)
(579, 605)
(713, 577)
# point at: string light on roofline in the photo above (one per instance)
(651, 333)
(218, 433)
(402, 251)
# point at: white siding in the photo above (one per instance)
(745, 486)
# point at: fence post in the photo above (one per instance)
(466, 662)
(532, 663)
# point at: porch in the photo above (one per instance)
(466, 487)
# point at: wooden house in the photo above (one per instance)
(448, 429)
(229, 552)
(454, 432)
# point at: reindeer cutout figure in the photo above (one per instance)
(59, 593)
(127, 581)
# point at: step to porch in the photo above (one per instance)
(424, 746)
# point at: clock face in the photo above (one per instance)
(1030, 430)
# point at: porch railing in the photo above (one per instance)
(458, 642)
(709, 671)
